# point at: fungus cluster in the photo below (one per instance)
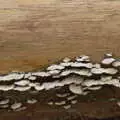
(80, 76)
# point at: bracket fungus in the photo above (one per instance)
(66, 81)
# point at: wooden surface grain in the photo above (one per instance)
(38, 32)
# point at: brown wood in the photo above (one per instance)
(32, 33)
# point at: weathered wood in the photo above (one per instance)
(35, 32)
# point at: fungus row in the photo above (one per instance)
(80, 76)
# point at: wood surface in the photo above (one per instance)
(34, 33)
